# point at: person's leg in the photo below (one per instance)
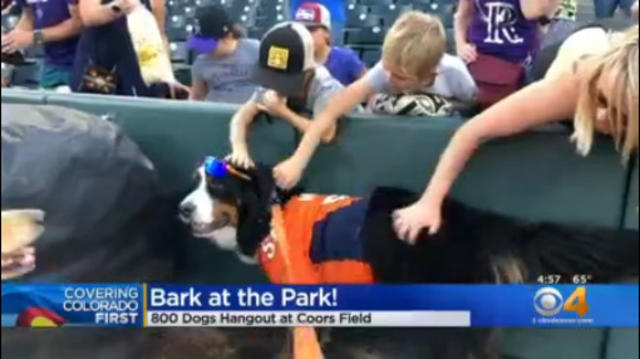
(605, 8)
(53, 77)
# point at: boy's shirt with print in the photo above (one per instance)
(453, 80)
(228, 79)
(322, 88)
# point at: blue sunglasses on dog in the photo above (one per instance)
(220, 169)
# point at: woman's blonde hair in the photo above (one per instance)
(620, 62)
(416, 43)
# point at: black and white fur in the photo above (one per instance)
(472, 246)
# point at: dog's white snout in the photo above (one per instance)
(186, 210)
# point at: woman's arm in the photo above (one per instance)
(535, 9)
(535, 105)
(463, 19)
(540, 103)
(93, 13)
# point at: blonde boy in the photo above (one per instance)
(413, 61)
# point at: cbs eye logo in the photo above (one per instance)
(549, 301)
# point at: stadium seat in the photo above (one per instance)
(375, 2)
(365, 36)
(177, 28)
(443, 9)
(179, 52)
(390, 13)
(272, 11)
(256, 32)
(239, 8)
(371, 57)
(354, 11)
(266, 22)
(204, 3)
(190, 12)
(415, 3)
(246, 20)
(9, 22)
(363, 20)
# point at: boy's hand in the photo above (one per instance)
(467, 52)
(240, 159)
(287, 173)
(274, 104)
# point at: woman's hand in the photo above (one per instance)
(467, 52)
(287, 173)
(409, 222)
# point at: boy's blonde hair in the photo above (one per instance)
(416, 43)
(621, 62)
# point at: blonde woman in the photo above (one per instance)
(599, 91)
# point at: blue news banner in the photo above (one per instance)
(164, 305)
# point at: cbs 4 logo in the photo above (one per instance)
(548, 302)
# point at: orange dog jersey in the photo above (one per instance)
(323, 243)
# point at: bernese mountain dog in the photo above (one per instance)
(351, 240)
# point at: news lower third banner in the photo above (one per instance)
(164, 305)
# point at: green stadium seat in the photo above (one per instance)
(363, 21)
(365, 36)
(371, 57)
(375, 2)
(177, 28)
(390, 13)
(179, 52)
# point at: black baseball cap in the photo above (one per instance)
(286, 52)
(211, 24)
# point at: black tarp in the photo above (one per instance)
(105, 219)
(94, 184)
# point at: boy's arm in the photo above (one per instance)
(238, 134)
(288, 173)
(198, 91)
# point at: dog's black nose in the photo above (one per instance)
(186, 210)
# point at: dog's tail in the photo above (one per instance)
(593, 255)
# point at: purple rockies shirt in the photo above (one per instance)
(500, 29)
(49, 13)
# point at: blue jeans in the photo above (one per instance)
(607, 8)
